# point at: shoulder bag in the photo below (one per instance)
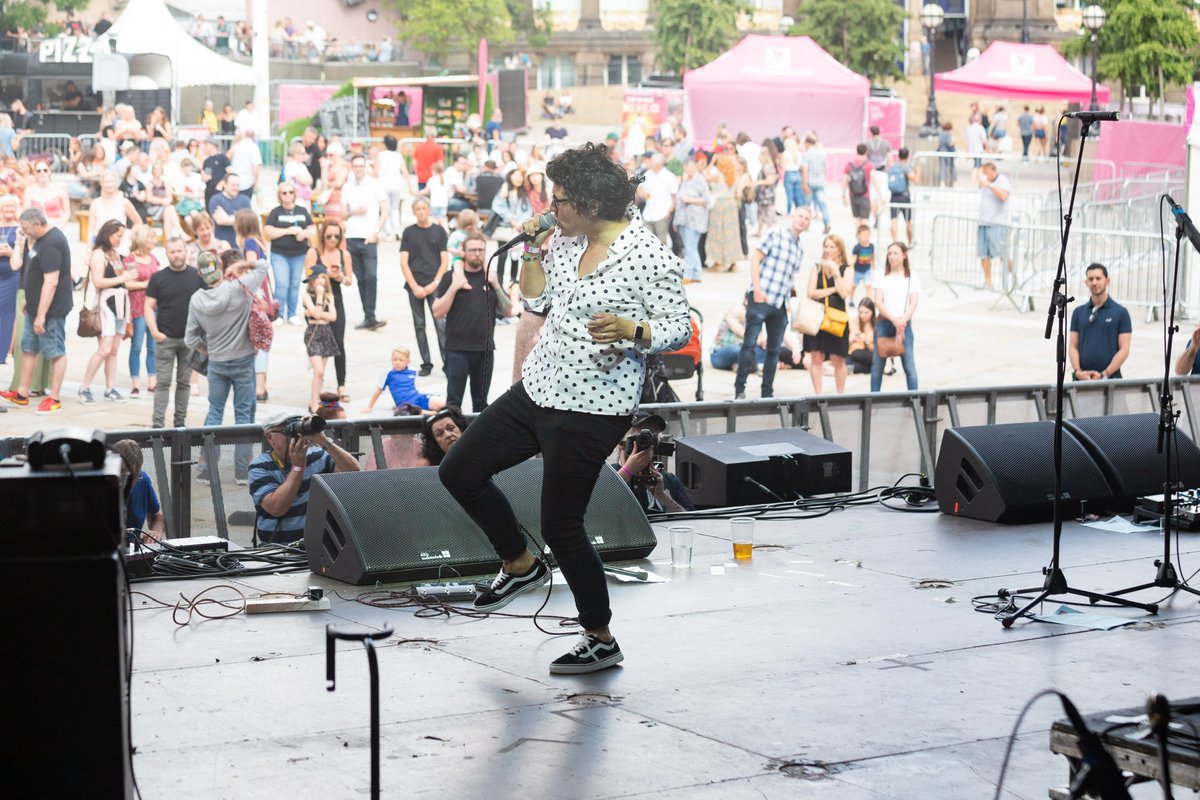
(809, 315)
(260, 330)
(893, 346)
(89, 316)
(834, 320)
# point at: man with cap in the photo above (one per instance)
(280, 479)
(656, 490)
(218, 324)
(611, 142)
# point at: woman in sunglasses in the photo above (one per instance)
(48, 196)
(329, 256)
(614, 293)
(290, 229)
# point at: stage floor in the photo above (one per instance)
(824, 650)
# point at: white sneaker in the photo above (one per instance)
(295, 320)
(278, 322)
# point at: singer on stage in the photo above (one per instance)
(614, 293)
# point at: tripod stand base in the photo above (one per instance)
(1056, 584)
(1165, 578)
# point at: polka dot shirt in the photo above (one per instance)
(640, 279)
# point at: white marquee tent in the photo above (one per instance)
(147, 31)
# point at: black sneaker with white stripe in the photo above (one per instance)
(505, 588)
(590, 654)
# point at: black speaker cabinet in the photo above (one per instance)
(715, 468)
(1005, 473)
(65, 631)
(1125, 448)
(402, 525)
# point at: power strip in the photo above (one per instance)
(269, 605)
(447, 591)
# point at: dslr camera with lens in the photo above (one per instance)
(661, 445)
(303, 426)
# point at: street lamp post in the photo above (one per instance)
(932, 17)
(1093, 19)
(1024, 21)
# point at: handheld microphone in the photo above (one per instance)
(545, 222)
(1185, 223)
(1094, 116)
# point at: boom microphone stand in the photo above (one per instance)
(1056, 582)
(1166, 577)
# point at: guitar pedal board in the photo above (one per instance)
(1186, 510)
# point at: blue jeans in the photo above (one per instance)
(364, 257)
(884, 327)
(237, 375)
(727, 357)
(775, 319)
(692, 268)
(289, 270)
(135, 350)
(818, 199)
(793, 188)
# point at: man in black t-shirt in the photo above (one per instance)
(167, 297)
(309, 140)
(467, 299)
(423, 260)
(46, 259)
(216, 164)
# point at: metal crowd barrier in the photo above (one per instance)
(1026, 174)
(1134, 259)
(34, 144)
(889, 435)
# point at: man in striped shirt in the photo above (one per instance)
(280, 479)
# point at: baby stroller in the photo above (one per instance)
(682, 363)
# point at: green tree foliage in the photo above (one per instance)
(532, 18)
(28, 14)
(691, 33)
(1151, 43)
(436, 27)
(862, 34)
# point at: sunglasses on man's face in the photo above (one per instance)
(41, 169)
(286, 193)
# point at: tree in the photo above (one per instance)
(1149, 43)
(690, 33)
(28, 14)
(862, 34)
(532, 18)
(435, 27)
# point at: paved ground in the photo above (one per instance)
(968, 340)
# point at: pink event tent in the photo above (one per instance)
(1021, 72)
(766, 82)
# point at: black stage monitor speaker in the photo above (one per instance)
(1125, 448)
(1005, 473)
(717, 470)
(65, 630)
(399, 525)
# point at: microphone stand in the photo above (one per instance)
(1056, 581)
(1166, 577)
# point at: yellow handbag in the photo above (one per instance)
(835, 320)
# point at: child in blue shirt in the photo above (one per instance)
(863, 256)
(402, 383)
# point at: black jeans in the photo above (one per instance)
(417, 306)
(575, 446)
(339, 336)
(364, 257)
(774, 318)
(473, 364)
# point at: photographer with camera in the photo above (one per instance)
(639, 464)
(280, 478)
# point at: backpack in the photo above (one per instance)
(897, 179)
(858, 179)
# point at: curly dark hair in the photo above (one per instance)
(595, 185)
(429, 446)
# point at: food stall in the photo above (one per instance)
(443, 102)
